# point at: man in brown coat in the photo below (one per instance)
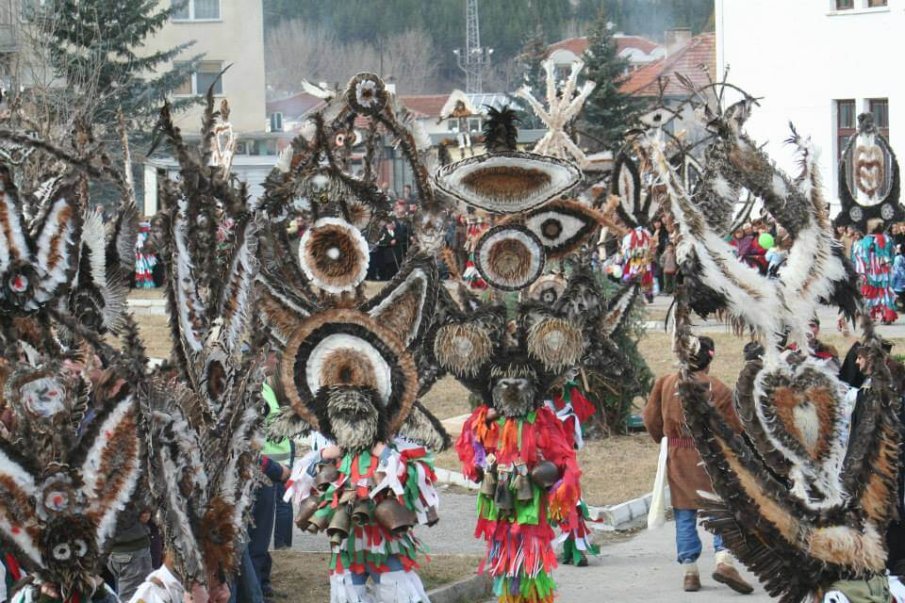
(664, 417)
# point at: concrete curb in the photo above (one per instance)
(473, 588)
(148, 306)
(607, 518)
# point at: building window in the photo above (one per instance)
(845, 123)
(201, 79)
(196, 10)
(875, 3)
(879, 108)
(844, 4)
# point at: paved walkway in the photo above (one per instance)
(644, 570)
(641, 570)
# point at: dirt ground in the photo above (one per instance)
(448, 398)
(302, 577)
(613, 470)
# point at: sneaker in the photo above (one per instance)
(728, 575)
(692, 583)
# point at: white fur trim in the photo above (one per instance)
(109, 502)
(26, 482)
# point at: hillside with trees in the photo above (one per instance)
(413, 40)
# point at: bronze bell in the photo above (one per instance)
(488, 485)
(523, 490)
(545, 474)
(362, 513)
(306, 510)
(503, 497)
(327, 475)
(318, 523)
(394, 516)
(338, 530)
(432, 516)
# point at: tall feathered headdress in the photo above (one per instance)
(342, 353)
(70, 457)
(801, 501)
(201, 425)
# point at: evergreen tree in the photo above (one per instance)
(608, 112)
(532, 76)
(96, 47)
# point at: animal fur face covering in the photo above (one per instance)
(353, 416)
(514, 396)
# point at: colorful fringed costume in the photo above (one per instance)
(873, 256)
(517, 527)
(144, 262)
(362, 486)
(573, 409)
(637, 253)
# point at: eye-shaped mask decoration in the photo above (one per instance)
(562, 226)
(507, 183)
(626, 184)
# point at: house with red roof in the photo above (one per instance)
(638, 50)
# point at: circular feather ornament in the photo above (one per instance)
(347, 348)
(334, 255)
(547, 289)
(509, 257)
(367, 94)
(507, 183)
(562, 226)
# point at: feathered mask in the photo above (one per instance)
(348, 366)
(542, 344)
(802, 501)
(201, 426)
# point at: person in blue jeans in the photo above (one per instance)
(664, 416)
(261, 531)
(282, 525)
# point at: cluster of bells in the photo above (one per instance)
(506, 484)
(389, 513)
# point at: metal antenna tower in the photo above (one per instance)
(474, 59)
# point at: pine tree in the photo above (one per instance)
(96, 47)
(529, 60)
(608, 112)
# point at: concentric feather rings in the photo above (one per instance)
(334, 255)
(509, 257)
(347, 348)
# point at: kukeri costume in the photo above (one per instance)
(348, 365)
(70, 457)
(804, 507)
(513, 443)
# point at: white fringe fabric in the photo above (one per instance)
(394, 587)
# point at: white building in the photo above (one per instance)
(817, 63)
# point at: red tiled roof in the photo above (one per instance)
(425, 105)
(579, 45)
(687, 60)
(295, 106)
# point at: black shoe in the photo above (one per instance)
(583, 560)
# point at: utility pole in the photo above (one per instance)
(474, 58)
